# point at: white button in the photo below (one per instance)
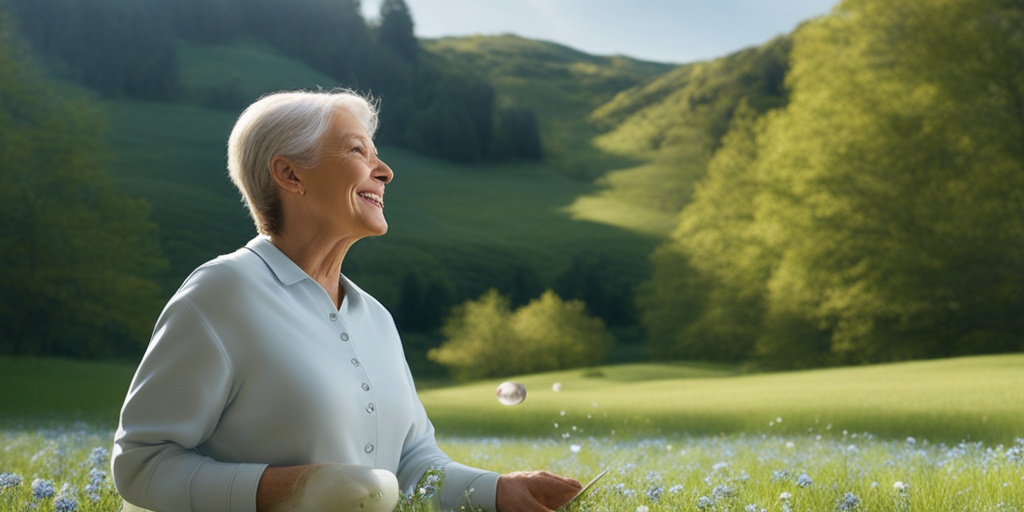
(366, 387)
(355, 362)
(370, 408)
(344, 336)
(334, 317)
(368, 448)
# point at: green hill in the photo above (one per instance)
(470, 225)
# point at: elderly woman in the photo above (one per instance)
(272, 382)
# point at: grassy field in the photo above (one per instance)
(940, 435)
(973, 399)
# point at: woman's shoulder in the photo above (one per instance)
(233, 273)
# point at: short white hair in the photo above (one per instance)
(291, 124)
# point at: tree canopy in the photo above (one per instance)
(79, 257)
(878, 216)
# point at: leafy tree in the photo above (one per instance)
(79, 256)
(897, 179)
(396, 32)
(484, 338)
(478, 339)
(705, 299)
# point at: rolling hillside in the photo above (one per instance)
(472, 226)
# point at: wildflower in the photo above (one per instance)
(1016, 452)
(911, 441)
(642, 508)
(722, 492)
(575, 448)
(556, 387)
(785, 496)
(753, 508)
(42, 489)
(780, 474)
(654, 493)
(705, 503)
(901, 486)
(849, 501)
(64, 503)
(9, 480)
(98, 457)
(804, 480)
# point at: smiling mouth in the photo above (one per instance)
(373, 198)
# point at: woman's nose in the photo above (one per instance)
(383, 173)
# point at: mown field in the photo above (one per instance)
(928, 435)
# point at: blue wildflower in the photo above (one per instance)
(804, 480)
(98, 457)
(9, 480)
(705, 503)
(1016, 452)
(65, 503)
(654, 493)
(722, 492)
(780, 474)
(849, 501)
(753, 508)
(42, 489)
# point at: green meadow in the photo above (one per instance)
(928, 435)
(951, 400)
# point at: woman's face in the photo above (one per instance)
(344, 192)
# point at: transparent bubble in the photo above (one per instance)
(511, 393)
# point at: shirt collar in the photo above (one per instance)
(286, 271)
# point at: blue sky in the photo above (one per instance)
(677, 31)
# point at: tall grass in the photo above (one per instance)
(740, 472)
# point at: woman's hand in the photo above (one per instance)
(327, 488)
(534, 491)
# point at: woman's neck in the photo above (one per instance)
(319, 257)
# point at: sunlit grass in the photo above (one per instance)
(974, 398)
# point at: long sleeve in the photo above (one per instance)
(461, 484)
(176, 398)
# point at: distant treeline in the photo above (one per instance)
(128, 48)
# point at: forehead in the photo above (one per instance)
(345, 125)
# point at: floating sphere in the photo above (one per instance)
(511, 393)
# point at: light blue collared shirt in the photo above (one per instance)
(251, 365)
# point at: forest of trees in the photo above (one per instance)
(878, 216)
(79, 258)
(128, 47)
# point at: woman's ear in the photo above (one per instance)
(282, 170)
